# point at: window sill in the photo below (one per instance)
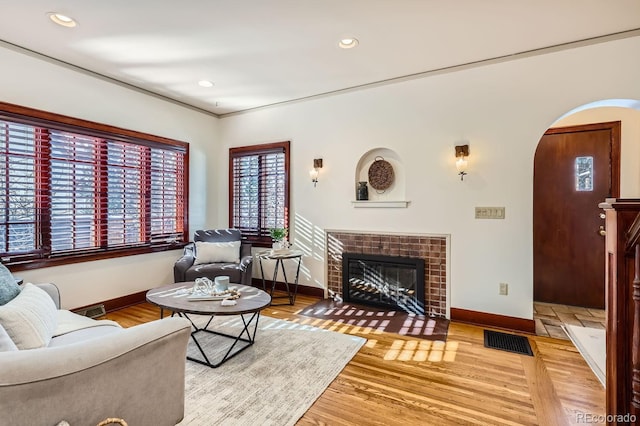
(26, 264)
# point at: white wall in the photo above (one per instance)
(32, 82)
(501, 109)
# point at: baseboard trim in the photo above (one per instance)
(493, 320)
(119, 302)
(141, 296)
(302, 289)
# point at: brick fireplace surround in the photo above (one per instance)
(431, 248)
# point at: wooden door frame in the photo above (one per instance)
(614, 340)
(557, 146)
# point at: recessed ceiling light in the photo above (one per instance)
(205, 83)
(64, 20)
(348, 43)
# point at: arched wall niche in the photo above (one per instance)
(395, 195)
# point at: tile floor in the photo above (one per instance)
(549, 317)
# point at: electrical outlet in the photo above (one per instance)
(504, 289)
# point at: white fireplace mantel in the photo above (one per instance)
(381, 204)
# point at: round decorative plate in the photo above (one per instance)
(380, 174)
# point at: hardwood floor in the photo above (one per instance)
(397, 380)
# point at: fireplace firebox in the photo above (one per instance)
(385, 281)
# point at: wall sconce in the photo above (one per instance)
(462, 152)
(317, 164)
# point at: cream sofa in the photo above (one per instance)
(95, 370)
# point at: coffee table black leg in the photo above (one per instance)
(236, 338)
(246, 327)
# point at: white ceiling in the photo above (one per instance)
(263, 52)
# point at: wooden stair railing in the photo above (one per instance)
(633, 249)
(622, 278)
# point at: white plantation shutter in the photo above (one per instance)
(74, 199)
(167, 195)
(18, 196)
(126, 166)
(272, 192)
(69, 193)
(259, 189)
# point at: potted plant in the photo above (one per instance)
(278, 236)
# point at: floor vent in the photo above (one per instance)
(507, 342)
(92, 311)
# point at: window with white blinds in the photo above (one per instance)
(81, 193)
(259, 190)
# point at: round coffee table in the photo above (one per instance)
(174, 297)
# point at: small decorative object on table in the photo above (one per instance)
(205, 289)
(203, 285)
(362, 193)
(279, 235)
(221, 283)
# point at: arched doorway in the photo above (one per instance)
(587, 117)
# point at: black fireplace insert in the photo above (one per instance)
(385, 281)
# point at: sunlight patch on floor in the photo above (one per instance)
(422, 350)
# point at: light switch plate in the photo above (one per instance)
(490, 212)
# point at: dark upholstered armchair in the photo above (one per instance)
(213, 253)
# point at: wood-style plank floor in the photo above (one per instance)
(398, 380)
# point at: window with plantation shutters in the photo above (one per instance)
(259, 190)
(71, 193)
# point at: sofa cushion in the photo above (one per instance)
(30, 318)
(217, 252)
(83, 335)
(70, 322)
(8, 286)
(6, 344)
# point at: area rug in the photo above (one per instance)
(591, 343)
(274, 382)
(403, 323)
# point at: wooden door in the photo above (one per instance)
(575, 169)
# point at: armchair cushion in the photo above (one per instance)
(30, 319)
(207, 252)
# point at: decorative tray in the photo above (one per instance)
(196, 297)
